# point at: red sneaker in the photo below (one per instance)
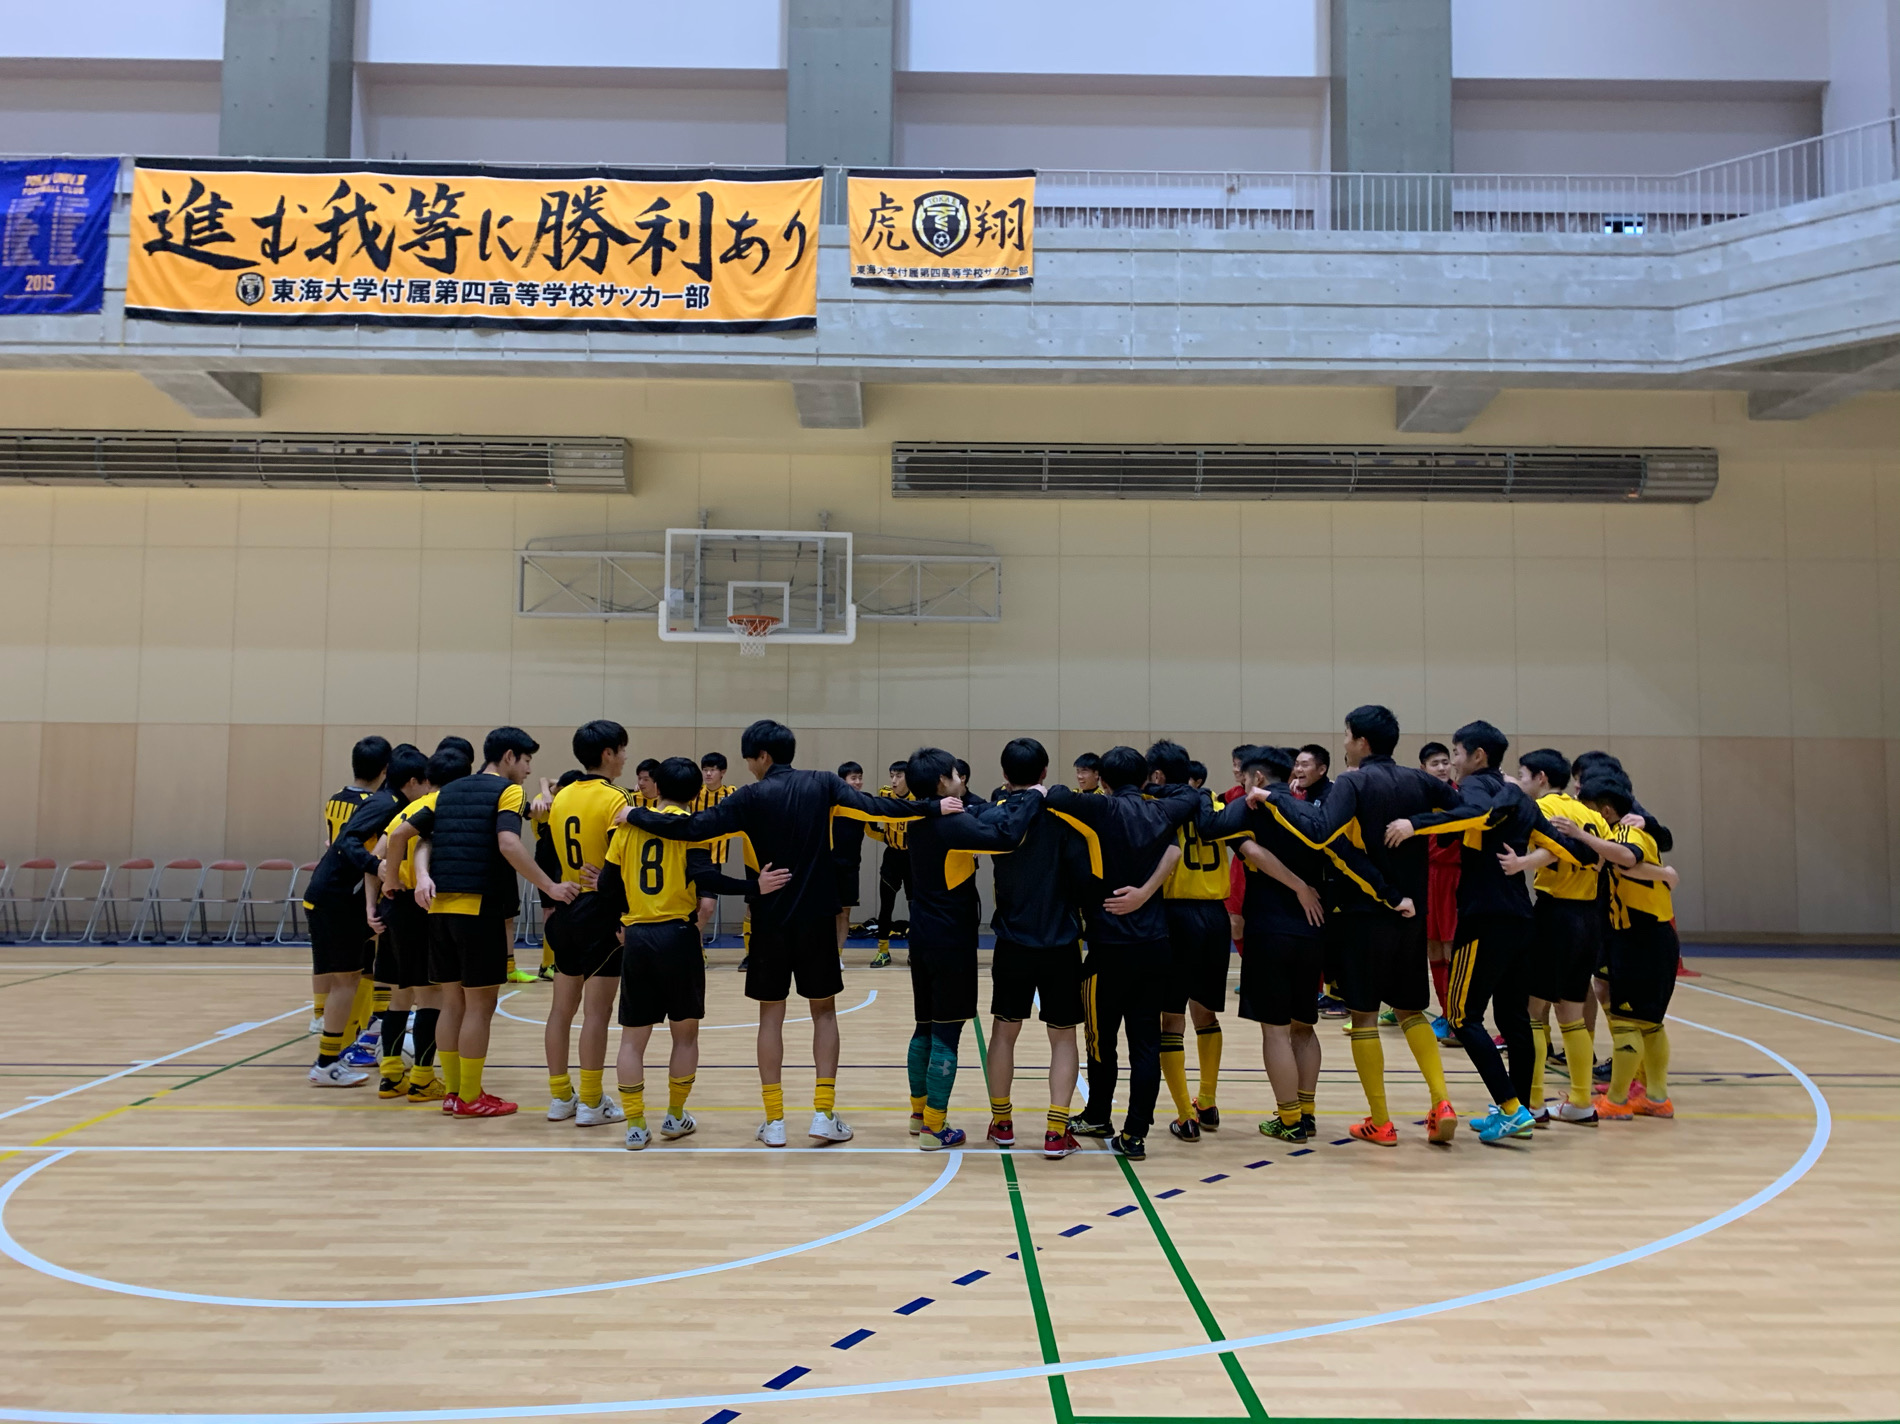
(487, 1105)
(1387, 1136)
(1441, 1123)
(1002, 1132)
(451, 1105)
(1056, 1146)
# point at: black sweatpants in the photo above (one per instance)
(1121, 992)
(893, 874)
(1490, 964)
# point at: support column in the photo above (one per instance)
(1391, 113)
(289, 77)
(839, 57)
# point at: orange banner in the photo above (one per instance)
(949, 230)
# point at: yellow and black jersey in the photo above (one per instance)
(580, 822)
(1202, 873)
(654, 872)
(709, 797)
(895, 834)
(339, 808)
(407, 874)
(1562, 879)
(1640, 897)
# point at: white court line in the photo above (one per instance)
(221, 1036)
(1791, 1013)
(17, 1252)
(1823, 1121)
(869, 999)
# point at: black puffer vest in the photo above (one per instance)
(464, 858)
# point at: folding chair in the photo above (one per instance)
(19, 914)
(291, 917)
(245, 926)
(119, 903)
(528, 922)
(62, 920)
(197, 928)
(152, 927)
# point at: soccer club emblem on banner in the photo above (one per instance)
(946, 230)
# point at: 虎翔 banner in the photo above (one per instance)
(359, 243)
(950, 230)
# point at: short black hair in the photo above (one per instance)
(1025, 762)
(453, 743)
(406, 764)
(1088, 761)
(498, 743)
(448, 764)
(1551, 762)
(1318, 754)
(768, 737)
(850, 768)
(1588, 760)
(1432, 749)
(369, 758)
(1376, 724)
(568, 778)
(1197, 771)
(1611, 788)
(715, 760)
(1482, 736)
(651, 765)
(1276, 762)
(595, 739)
(963, 770)
(678, 779)
(1171, 760)
(926, 769)
(896, 766)
(1240, 752)
(1123, 766)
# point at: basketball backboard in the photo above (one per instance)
(800, 577)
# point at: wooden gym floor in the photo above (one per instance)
(192, 1231)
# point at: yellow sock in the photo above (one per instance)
(1626, 1057)
(330, 1045)
(933, 1118)
(1174, 1070)
(451, 1070)
(1309, 1103)
(359, 1008)
(547, 956)
(421, 1075)
(774, 1094)
(1207, 1043)
(379, 996)
(1289, 1113)
(511, 963)
(1656, 1063)
(1368, 1056)
(472, 1078)
(677, 1091)
(1510, 1105)
(916, 1107)
(560, 1086)
(745, 935)
(1058, 1119)
(1578, 1051)
(317, 1001)
(633, 1102)
(391, 1068)
(590, 1086)
(824, 1097)
(1001, 1109)
(1540, 1049)
(1427, 1054)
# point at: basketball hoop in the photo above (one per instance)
(753, 629)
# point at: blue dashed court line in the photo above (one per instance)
(1341, 1141)
(856, 1337)
(912, 1307)
(1074, 1230)
(1170, 1192)
(1217, 1177)
(780, 1381)
(1301, 1152)
(1263, 1162)
(724, 1416)
(970, 1279)
(1123, 1210)
(1016, 1256)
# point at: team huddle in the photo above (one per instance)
(1119, 904)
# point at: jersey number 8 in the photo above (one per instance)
(652, 866)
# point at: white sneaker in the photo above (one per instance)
(316, 1026)
(772, 1133)
(682, 1126)
(1568, 1111)
(598, 1116)
(561, 1109)
(337, 1075)
(637, 1137)
(829, 1127)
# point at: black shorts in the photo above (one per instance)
(1019, 975)
(1381, 960)
(1566, 948)
(585, 938)
(662, 974)
(942, 984)
(1488, 962)
(1643, 969)
(405, 942)
(782, 955)
(848, 879)
(340, 941)
(470, 950)
(1277, 975)
(1201, 946)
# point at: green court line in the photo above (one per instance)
(16, 983)
(227, 1067)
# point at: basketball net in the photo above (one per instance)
(752, 629)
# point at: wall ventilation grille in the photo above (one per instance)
(161, 459)
(1540, 474)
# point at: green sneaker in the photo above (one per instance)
(1388, 1018)
(881, 959)
(1279, 1131)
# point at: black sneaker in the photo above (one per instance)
(1187, 1129)
(1082, 1127)
(1309, 1126)
(1331, 1008)
(1555, 1061)
(1209, 1117)
(1135, 1149)
(745, 960)
(1601, 1073)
